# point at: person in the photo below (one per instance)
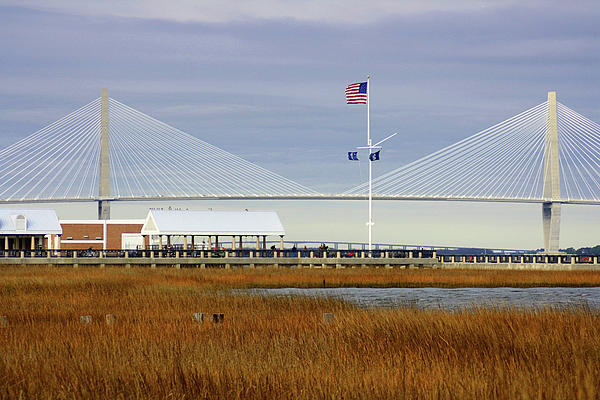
(273, 247)
(294, 248)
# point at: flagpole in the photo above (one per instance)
(369, 144)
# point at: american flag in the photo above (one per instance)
(356, 93)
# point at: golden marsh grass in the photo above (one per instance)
(280, 347)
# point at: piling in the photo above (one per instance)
(109, 319)
(218, 318)
(198, 317)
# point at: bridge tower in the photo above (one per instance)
(551, 194)
(104, 173)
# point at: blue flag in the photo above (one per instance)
(374, 156)
(352, 155)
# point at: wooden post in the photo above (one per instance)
(198, 317)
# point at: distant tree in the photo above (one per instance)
(596, 250)
(570, 250)
(584, 250)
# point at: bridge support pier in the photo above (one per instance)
(551, 192)
(551, 222)
(104, 172)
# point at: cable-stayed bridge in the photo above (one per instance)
(106, 151)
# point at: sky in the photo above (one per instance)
(265, 80)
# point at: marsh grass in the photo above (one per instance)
(277, 347)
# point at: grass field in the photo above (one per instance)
(281, 347)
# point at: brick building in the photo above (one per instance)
(101, 234)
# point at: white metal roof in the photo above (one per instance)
(226, 223)
(40, 221)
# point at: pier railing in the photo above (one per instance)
(519, 259)
(217, 253)
(293, 257)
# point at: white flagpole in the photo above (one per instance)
(369, 144)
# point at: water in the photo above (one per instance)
(452, 299)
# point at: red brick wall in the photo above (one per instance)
(78, 231)
(94, 230)
(80, 246)
(114, 231)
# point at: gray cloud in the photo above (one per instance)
(267, 84)
(328, 11)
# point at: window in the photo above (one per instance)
(20, 223)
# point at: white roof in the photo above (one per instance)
(37, 222)
(226, 223)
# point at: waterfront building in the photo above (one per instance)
(29, 229)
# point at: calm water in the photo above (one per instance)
(453, 298)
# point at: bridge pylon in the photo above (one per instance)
(551, 193)
(104, 173)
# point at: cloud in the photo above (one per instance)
(215, 11)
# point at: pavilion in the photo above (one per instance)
(28, 229)
(212, 224)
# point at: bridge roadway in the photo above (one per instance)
(289, 258)
(307, 197)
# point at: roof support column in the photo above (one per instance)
(551, 207)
